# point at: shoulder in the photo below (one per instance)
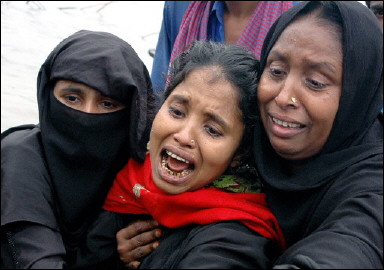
(26, 193)
(363, 176)
(22, 147)
(176, 7)
(20, 136)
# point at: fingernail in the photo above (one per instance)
(158, 233)
(155, 245)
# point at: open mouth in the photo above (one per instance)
(175, 165)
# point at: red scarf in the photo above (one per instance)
(134, 192)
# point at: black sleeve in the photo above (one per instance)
(222, 245)
(30, 245)
(227, 245)
(99, 250)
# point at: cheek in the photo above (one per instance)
(265, 90)
(218, 163)
(323, 109)
(158, 130)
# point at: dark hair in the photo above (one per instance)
(368, 3)
(238, 66)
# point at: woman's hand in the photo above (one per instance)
(137, 240)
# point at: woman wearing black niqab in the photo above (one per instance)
(55, 175)
(331, 208)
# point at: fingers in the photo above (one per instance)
(133, 265)
(129, 255)
(137, 240)
(136, 228)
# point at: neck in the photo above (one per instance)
(241, 8)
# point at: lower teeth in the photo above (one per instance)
(164, 166)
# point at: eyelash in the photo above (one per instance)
(313, 84)
(105, 103)
(214, 133)
(69, 97)
(175, 113)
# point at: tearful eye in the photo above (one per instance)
(175, 112)
(212, 131)
(315, 84)
(276, 71)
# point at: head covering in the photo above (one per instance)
(359, 107)
(85, 151)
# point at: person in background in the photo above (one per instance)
(93, 93)
(235, 22)
(377, 9)
(319, 145)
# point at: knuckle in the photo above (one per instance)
(136, 226)
(139, 252)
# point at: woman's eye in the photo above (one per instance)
(71, 99)
(109, 105)
(175, 112)
(276, 72)
(315, 84)
(212, 131)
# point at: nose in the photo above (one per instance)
(186, 136)
(287, 97)
(90, 107)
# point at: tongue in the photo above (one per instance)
(176, 165)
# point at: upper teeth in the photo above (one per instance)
(176, 157)
(285, 124)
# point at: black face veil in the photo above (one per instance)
(85, 151)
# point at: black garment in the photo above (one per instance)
(222, 245)
(331, 210)
(55, 176)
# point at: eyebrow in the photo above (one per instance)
(71, 89)
(181, 98)
(276, 54)
(321, 65)
(217, 118)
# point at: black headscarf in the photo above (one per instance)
(359, 107)
(85, 151)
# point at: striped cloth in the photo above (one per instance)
(194, 25)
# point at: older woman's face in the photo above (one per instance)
(300, 88)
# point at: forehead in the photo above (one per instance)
(209, 83)
(310, 33)
(70, 86)
(208, 89)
